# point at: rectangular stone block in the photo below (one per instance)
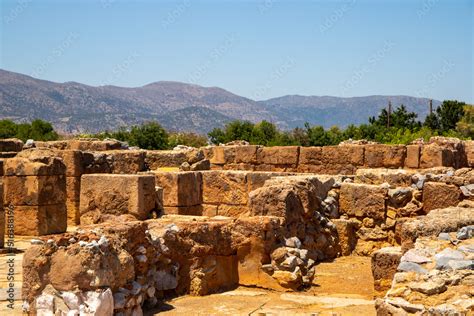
(224, 187)
(155, 159)
(40, 220)
(346, 231)
(311, 155)
(114, 194)
(246, 154)
(347, 154)
(440, 195)
(433, 155)
(11, 145)
(385, 156)
(384, 266)
(221, 155)
(469, 152)
(278, 155)
(413, 156)
(20, 166)
(74, 162)
(180, 188)
(257, 179)
(34, 190)
(93, 145)
(361, 200)
(126, 161)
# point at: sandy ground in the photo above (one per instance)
(341, 287)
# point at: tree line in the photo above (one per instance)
(451, 118)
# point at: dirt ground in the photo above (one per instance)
(342, 287)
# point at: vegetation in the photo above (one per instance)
(452, 118)
(37, 130)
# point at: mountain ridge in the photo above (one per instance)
(73, 107)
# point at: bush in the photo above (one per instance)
(37, 130)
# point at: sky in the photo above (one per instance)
(257, 49)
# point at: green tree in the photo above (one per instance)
(217, 136)
(149, 136)
(466, 125)
(42, 130)
(432, 122)
(449, 114)
(187, 139)
(8, 129)
(264, 133)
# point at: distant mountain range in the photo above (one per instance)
(77, 108)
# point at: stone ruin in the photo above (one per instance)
(117, 231)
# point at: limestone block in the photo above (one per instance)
(362, 200)
(155, 159)
(433, 155)
(126, 161)
(384, 266)
(246, 154)
(180, 188)
(11, 145)
(115, 194)
(413, 156)
(224, 187)
(440, 195)
(74, 162)
(387, 156)
(35, 190)
(278, 155)
(34, 220)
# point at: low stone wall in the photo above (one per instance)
(342, 159)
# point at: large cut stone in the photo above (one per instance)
(362, 200)
(113, 194)
(33, 220)
(278, 155)
(439, 195)
(35, 190)
(180, 189)
(224, 187)
(386, 156)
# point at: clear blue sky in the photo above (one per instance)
(258, 49)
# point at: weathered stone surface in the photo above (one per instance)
(2, 218)
(469, 151)
(311, 155)
(74, 162)
(346, 231)
(113, 194)
(35, 190)
(93, 144)
(126, 161)
(246, 154)
(439, 195)
(437, 221)
(433, 155)
(11, 145)
(224, 187)
(278, 155)
(180, 189)
(387, 156)
(34, 162)
(220, 155)
(384, 266)
(362, 200)
(196, 210)
(342, 159)
(413, 156)
(394, 177)
(165, 158)
(34, 220)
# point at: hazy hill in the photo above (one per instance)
(73, 107)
